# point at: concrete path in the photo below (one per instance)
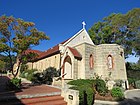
(26, 90)
(133, 97)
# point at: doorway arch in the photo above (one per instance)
(67, 68)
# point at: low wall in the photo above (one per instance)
(70, 96)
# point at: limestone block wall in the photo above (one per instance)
(89, 51)
(118, 71)
(52, 61)
(81, 64)
(30, 65)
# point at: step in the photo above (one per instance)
(60, 102)
(41, 99)
(46, 100)
(57, 102)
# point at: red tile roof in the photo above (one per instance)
(49, 52)
(53, 50)
(33, 51)
(75, 53)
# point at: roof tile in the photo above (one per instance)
(75, 53)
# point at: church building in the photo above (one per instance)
(79, 58)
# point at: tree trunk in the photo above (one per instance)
(16, 67)
(11, 62)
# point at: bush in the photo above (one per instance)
(84, 85)
(131, 81)
(118, 83)
(14, 84)
(28, 74)
(23, 67)
(135, 74)
(100, 86)
(138, 84)
(79, 82)
(87, 85)
(117, 93)
(46, 77)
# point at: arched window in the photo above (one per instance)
(110, 61)
(91, 63)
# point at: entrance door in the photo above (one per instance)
(68, 68)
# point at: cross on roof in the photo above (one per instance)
(84, 24)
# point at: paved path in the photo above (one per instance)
(27, 90)
(133, 97)
(33, 91)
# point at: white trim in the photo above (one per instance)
(73, 37)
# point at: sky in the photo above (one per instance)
(61, 19)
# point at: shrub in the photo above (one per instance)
(138, 84)
(46, 77)
(101, 86)
(79, 82)
(14, 84)
(88, 86)
(38, 78)
(23, 67)
(28, 74)
(84, 88)
(118, 83)
(117, 93)
(84, 85)
(131, 81)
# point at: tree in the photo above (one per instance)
(2, 65)
(16, 36)
(123, 29)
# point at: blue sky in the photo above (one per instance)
(61, 19)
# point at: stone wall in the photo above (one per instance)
(81, 64)
(118, 71)
(89, 50)
(70, 96)
(52, 61)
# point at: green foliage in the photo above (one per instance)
(23, 67)
(101, 86)
(2, 66)
(17, 36)
(117, 93)
(83, 85)
(46, 77)
(134, 74)
(138, 84)
(88, 86)
(119, 28)
(119, 83)
(78, 82)
(14, 84)
(28, 74)
(131, 81)
(132, 66)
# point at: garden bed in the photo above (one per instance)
(107, 97)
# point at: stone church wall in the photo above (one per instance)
(84, 70)
(81, 64)
(52, 61)
(89, 51)
(118, 71)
